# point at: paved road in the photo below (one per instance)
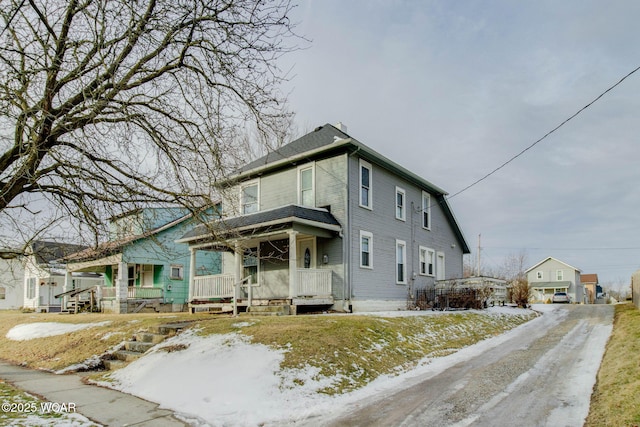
(541, 377)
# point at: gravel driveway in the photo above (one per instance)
(542, 376)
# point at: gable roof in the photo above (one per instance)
(115, 246)
(551, 258)
(328, 140)
(589, 278)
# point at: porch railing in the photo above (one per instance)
(312, 282)
(144, 293)
(216, 286)
(109, 292)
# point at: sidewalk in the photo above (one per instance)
(101, 405)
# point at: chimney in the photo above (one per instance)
(342, 127)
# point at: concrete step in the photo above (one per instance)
(114, 364)
(138, 346)
(170, 328)
(150, 337)
(269, 310)
(126, 355)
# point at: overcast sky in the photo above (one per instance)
(451, 90)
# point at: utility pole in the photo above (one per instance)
(479, 235)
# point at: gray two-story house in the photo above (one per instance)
(326, 221)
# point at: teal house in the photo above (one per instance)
(142, 265)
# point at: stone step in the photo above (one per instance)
(170, 328)
(113, 364)
(138, 346)
(150, 337)
(269, 310)
(126, 355)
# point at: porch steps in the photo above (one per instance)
(142, 342)
(269, 310)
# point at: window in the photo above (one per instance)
(306, 196)
(427, 257)
(539, 275)
(365, 185)
(440, 273)
(3, 292)
(176, 272)
(249, 201)
(366, 249)
(426, 210)
(400, 202)
(250, 264)
(31, 287)
(401, 262)
(559, 275)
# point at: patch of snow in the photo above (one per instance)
(242, 324)
(29, 331)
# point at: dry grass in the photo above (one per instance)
(616, 397)
(60, 351)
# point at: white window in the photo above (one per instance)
(440, 273)
(366, 249)
(401, 262)
(31, 287)
(400, 203)
(427, 261)
(426, 210)
(539, 275)
(366, 186)
(176, 272)
(559, 275)
(249, 198)
(306, 193)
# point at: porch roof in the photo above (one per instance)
(547, 285)
(272, 219)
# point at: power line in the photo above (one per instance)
(544, 137)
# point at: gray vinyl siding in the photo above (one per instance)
(379, 283)
(280, 189)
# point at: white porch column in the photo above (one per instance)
(121, 284)
(192, 272)
(293, 263)
(68, 283)
(239, 253)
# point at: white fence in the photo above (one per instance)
(216, 286)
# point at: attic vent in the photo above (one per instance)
(342, 127)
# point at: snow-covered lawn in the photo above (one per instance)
(30, 331)
(224, 380)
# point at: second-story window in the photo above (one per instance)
(305, 185)
(249, 202)
(426, 210)
(559, 275)
(539, 275)
(365, 185)
(400, 203)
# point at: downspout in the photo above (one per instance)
(348, 286)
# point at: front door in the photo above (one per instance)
(306, 252)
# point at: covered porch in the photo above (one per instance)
(125, 287)
(277, 257)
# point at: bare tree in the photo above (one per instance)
(108, 105)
